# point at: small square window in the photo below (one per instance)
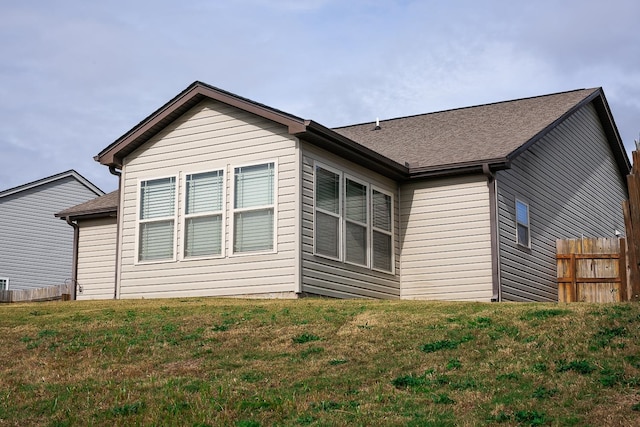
(523, 234)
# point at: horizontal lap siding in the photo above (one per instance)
(36, 248)
(336, 279)
(96, 259)
(574, 189)
(213, 136)
(446, 239)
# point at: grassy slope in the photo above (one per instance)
(199, 362)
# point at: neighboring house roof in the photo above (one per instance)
(102, 206)
(43, 181)
(448, 142)
(491, 133)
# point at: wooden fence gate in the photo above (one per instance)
(592, 270)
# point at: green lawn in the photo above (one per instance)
(318, 362)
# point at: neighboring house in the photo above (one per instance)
(36, 248)
(220, 195)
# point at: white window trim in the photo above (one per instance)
(185, 216)
(528, 225)
(137, 260)
(366, 225)
(233, 210)
(342, 218)
(379, 230)
(339, 215)
(6, 283)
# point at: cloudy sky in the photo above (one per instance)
(76, 75)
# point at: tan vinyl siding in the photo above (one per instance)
(96, 259)
(213, 136)
(323, 276)
(446, 239)
(573, 187)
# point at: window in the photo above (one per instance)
(156, 228)
(381, 230)
(353, 221)
(203, 220)
(523, 236)
(4, 284)
(253, 208)
(328, 213)
(356, 222)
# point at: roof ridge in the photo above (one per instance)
(467, 107)
(55, 177)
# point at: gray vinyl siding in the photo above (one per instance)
(36, 247)
(446, 239)
(213, 136)
(327, 277)
(573, 187)
(96, 258)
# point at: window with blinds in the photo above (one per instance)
(156, 225)
(203, 214)
(382, 234)
(328, 213)
(254, 208)
(353, 220)
(356, 222)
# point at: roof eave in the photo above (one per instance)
(348, 149)
(197, 91)
(608, 124)
(92, 213)
(463, 168)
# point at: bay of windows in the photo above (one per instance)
(202, 216)
(353, 220)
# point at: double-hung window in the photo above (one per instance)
(382, 234)
(328, 213)
(523, 235)
(356, 219)
(353, 221)
(203, 219)
(254, 208)
(156, 220)
(4, 284)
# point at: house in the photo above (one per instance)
(223, 196)
(37, 249)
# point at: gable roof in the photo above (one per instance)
(70, 173)
(448, 142)
(106, 205)
(306, 129)
(492, 134)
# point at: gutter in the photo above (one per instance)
(348, 149)
(74, 262)
(492, 184)
(113, 171)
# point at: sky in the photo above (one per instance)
(76, 75)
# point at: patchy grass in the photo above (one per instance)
(317, 362)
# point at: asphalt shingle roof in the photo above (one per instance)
(100, 205)
(462, 135)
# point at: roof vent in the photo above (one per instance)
(377, 124)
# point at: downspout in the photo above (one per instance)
(74, 262)
(113, 171)
(492, 184)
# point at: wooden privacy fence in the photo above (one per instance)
(49, 293)
(631, 211)
(592, 270)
